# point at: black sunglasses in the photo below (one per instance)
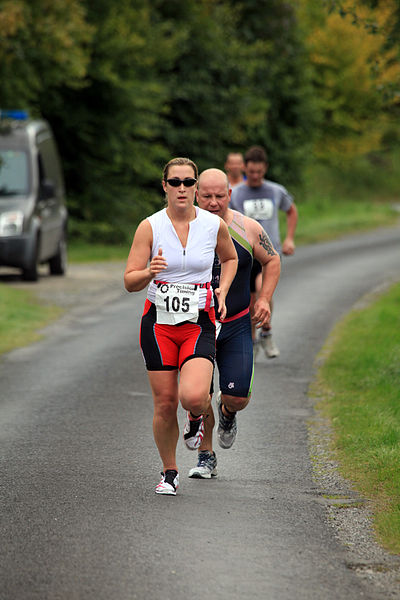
(176, 182)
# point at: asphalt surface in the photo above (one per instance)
(79, 517)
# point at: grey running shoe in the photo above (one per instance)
(206, 466)
(227, 428)
(169, 483)
(193, 432)
(268, 345)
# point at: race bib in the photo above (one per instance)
(177, 302)
(260, 210)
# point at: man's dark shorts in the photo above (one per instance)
(234, 357)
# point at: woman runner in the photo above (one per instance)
(173, 253)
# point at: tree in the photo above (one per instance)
(127, 85)
(241, 78)
(207, 83)
(110, 128)
(42, 45)
(281, 81)
(355, 78)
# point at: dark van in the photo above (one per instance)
(33, 214)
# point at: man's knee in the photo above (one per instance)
(235, 403)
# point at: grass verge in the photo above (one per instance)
(84, 252)
(359, 384)
(21, 318)
(323, 221)
(356, 196)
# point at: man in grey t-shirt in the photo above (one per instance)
(262, 199)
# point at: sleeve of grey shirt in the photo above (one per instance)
(286, 200)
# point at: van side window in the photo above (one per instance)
(41, 172)
(49, 159)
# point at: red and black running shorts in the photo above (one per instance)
(168, 347)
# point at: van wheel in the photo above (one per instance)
(58, 263)
(30, 273)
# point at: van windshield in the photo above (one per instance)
(14, 176)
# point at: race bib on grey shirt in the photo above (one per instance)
(259, 209)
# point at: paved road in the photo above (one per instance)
(79, 517)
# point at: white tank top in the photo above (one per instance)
(192, 264)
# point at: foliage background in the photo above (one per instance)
(127, 85)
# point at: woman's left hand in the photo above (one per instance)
(221, 303)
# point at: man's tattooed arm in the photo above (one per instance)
(265, 242)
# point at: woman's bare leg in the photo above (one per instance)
(164, 385)
(194, 385)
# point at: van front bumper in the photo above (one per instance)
(15, 250)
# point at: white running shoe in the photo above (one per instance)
(193, 432)
(206, 466)
(227, 428)
(268, 345)
(169, 483)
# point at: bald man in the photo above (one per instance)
(234, 355)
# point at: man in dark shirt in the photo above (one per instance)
(234, 356)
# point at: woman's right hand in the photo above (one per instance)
(157, 264)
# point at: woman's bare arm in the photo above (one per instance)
(139, 272)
